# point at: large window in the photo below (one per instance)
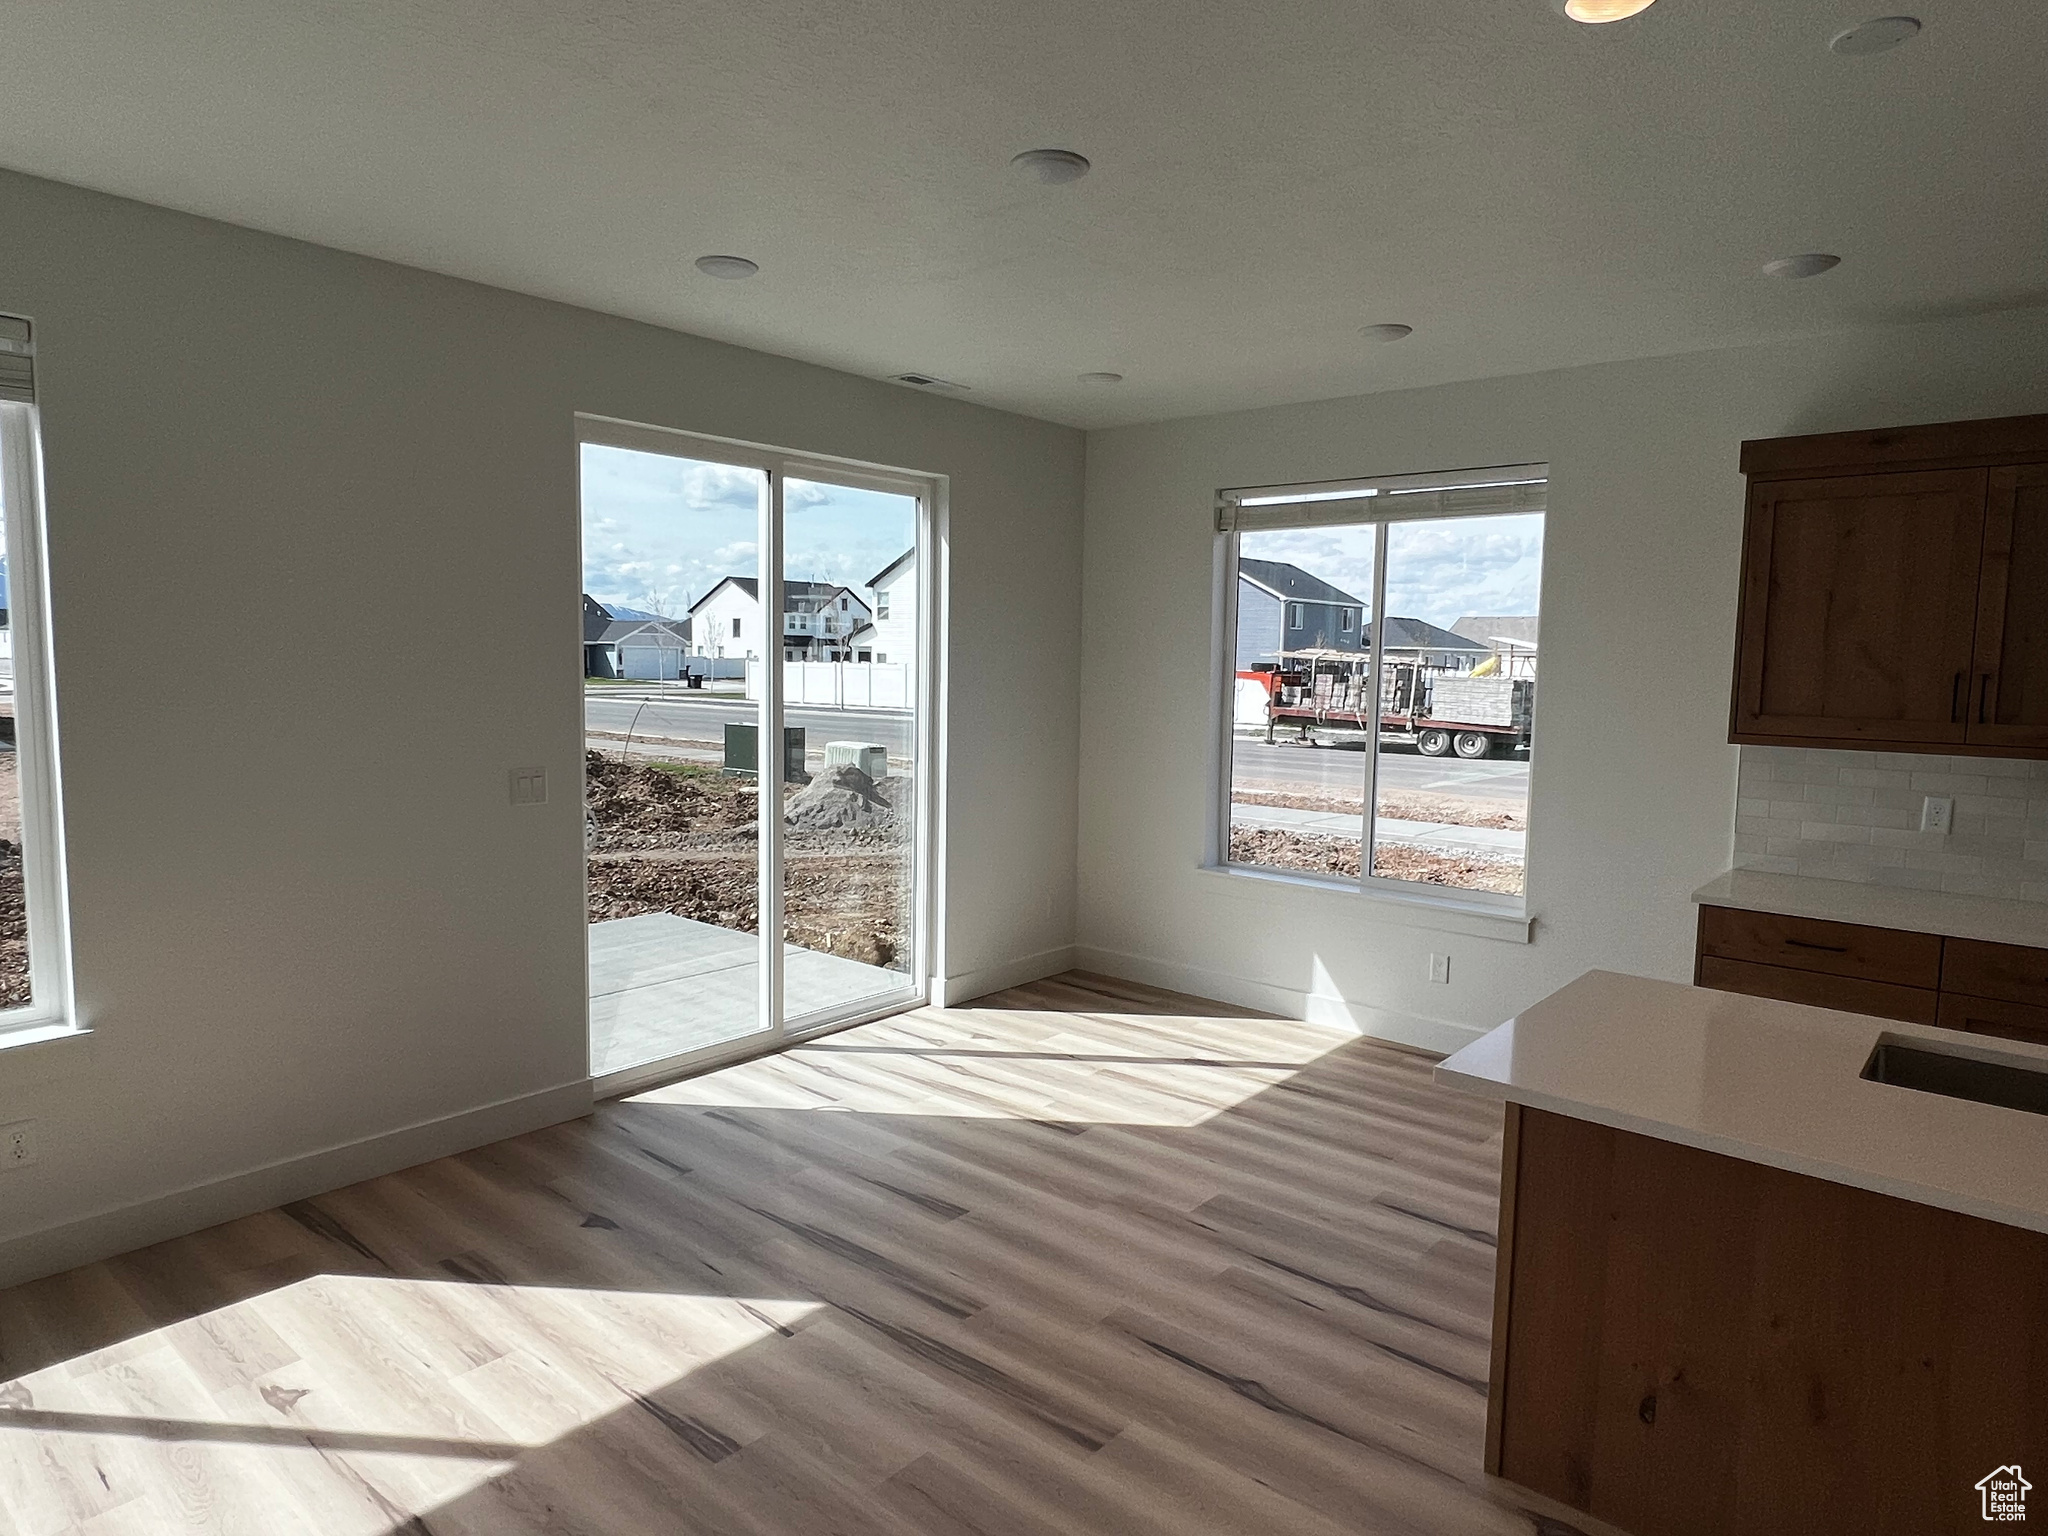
(34, 989)
(757, 839)
(1380, 650)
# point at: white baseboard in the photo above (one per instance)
(1438, 1035)
(1012, 973)
(124, 1227)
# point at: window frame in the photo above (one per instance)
(925, 982)
(1369, 503)
(51, 1009)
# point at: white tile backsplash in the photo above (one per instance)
(1856, 816)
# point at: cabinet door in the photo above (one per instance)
(1859, 608)
(2009, 694)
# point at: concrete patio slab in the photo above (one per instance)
(662, 985)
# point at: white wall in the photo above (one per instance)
(306, 915)
(1634, 782)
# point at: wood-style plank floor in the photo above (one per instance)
(1082, 1257)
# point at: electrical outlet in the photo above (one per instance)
(17, 1144)
(1937, 814)
(529, 786)
(1440, 969)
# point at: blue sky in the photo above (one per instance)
(659, 532)
(1440, 570)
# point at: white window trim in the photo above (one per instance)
(51, 1013)
(1360, 503)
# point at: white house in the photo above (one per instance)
(892, 635)
(818, 620)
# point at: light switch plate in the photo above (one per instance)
(1937, 814)
(529, 786)
(1440, 969)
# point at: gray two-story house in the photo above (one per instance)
(1280, 607)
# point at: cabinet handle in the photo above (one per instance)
(1955, 700)
(1983, 694)
(1826, 949)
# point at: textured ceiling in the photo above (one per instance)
(1526, 192)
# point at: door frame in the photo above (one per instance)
(929, 736)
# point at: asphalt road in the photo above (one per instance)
(701, 718)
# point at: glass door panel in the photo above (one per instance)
(852, 643)
(674, 637)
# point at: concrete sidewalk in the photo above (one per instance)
(1490, 842)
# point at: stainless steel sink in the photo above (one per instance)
(2011, 1082)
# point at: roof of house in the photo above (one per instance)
(1293, 583)
(751, 585)
(1487, 628)
(891, 568)
(645, 632)
(862, 633)
(1421, 635)
(597, 616)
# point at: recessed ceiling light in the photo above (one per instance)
(1812, 264)
(1391, 331)
(1102, 378)
(1876, 35)
(727, 266)
(1594, 12)
(1052, 166)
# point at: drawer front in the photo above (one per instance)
(2010, 972)
(1985, 1016)
(1880, 999)
(1834, 949)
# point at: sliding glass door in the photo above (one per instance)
(734, 599)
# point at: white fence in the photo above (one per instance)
(841, 684)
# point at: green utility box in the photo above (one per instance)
(743, 753)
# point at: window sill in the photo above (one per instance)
(1412, 909)
(43, 1053)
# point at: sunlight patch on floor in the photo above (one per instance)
(373, 1399)
(1012, 1064)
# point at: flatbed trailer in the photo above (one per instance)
(1441, 714)
(1430, 736)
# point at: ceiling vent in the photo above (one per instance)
(926, 381)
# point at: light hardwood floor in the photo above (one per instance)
(1081, 1257)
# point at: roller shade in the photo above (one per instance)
(1395, 498)
(17, 360)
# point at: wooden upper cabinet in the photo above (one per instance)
(1895, 590)
(1859, 607)
(2009, 691)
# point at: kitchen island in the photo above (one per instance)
(1745, 1287)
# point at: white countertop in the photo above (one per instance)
(1880, 906)
(1770, 1082)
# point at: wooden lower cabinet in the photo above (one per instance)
(1850, 994)
(1988, 1016)
(1922, 978)
(1693, 1345)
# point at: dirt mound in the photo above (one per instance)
(842, 798)
(665, 805)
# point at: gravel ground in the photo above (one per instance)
(1274, 849)
(14, 987)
